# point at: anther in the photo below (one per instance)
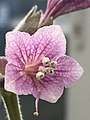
(40, 75)
(50, 71)
(53, 64)
(45, 61)
(36, 113)
(42, 69)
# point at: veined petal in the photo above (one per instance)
(68, 6)
(49, 41)
(52, 3)
(18, 47)
(49, 89)
(16, 81)
(56, 8)
(68, 70)
(52, 91)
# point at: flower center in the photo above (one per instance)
(31, 69)
(38, 70)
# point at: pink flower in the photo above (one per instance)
(38, 65)
(56, 8)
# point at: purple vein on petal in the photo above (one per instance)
(20, 52)
(43, 49)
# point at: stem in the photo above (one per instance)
(11, 105)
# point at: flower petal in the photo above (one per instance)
(18, 47)
(48, 89)
(68, 70)
(56, 8)
(49, 41)
(52, 3)
(51, 92)
(68, 6)
(16, 81)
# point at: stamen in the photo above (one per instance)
(45, 61)
(50, 71)
(42, 69)
(53, 64)
(40, 75)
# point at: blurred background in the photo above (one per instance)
(75, 102)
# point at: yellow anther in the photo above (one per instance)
(53, 64)
(50, 71)
(40, 75)
(45, 61)
(36, 113)
(42, 69)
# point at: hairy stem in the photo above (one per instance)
(11, 105)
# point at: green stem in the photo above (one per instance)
(11, 105)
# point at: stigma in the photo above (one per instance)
(36, 114)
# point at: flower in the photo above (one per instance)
(57, 8)
(38, 65)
